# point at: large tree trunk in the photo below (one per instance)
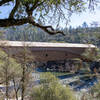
(6, 77)
(23, 84)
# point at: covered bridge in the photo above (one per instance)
(45, 51)
(53, 56)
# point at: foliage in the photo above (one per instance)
(73, 35)
(17, 71)
(42, 13)
(51, 89)
(95, 91)
(89, 54)
(92, 55)
(93, 94)
(9, 70)
(10, 64)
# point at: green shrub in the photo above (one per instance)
(51, 89)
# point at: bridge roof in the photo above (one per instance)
(44, 44)
(39, 50)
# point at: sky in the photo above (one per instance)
(88, 16)
(75, 20)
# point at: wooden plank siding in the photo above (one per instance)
(42, 51)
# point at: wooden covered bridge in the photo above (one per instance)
(45, 51)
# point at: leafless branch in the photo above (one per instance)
(14, 9)
(35, 5)
(12, 22)
(48, 29)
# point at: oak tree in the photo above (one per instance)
(41, 13)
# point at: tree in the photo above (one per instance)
(17, 71)
(93, 94)
(51, 89)
(36, 11)
(95, 91)
(84, 25)
(25, 60)
(7, 70)
(90, 54)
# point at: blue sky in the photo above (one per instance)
(76, 19)
(5, 11)
(88, 16)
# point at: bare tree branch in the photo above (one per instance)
(14, 9)
(48, 29)
(28, 6)
(12, 22)
(17, 22)
(35, 5)
(29, 10)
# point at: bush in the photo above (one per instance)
(51, 89)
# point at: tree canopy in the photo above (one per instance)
(51, 89)
(41, 13)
